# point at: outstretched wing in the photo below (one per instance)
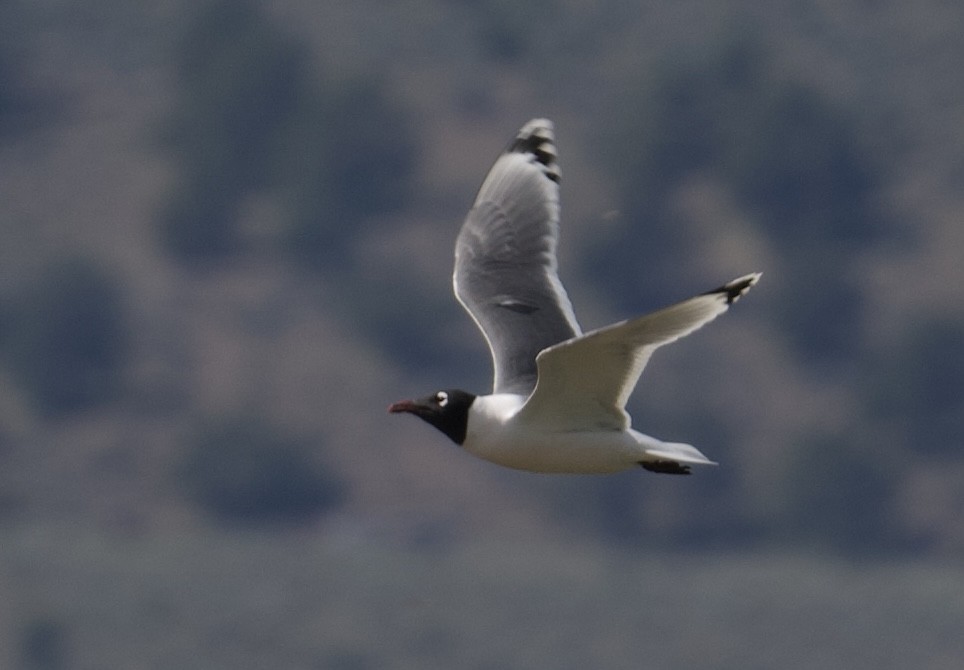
(584, 382)
(505, 259)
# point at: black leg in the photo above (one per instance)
(666, 467)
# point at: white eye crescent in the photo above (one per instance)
(442, 398)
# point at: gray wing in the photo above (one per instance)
(505, 260)
(584, 383)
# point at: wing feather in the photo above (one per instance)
(505, 260)
(584, 382)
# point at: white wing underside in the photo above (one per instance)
(584, 382)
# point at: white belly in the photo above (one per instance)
(494, 434)
(562, 452)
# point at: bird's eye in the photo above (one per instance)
(442, 398)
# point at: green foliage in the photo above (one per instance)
(247, 471)
(66, 338)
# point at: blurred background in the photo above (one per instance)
(227, 233)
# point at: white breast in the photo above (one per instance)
(495, 435)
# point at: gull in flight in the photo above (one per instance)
(559, 395)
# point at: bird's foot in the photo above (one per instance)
(666, 467)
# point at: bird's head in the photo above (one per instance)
(447, 410)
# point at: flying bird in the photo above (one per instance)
(558, 402)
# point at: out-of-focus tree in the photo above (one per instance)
(44, 644)
(348, 154)
(65, 337)
(249, 471)
(839, 495)
(506, 31)
(916, 387)
(253, 118)
(25, 104)
(238, 80)
(792, 160)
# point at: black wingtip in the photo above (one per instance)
(538, 139)
(734, 290)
